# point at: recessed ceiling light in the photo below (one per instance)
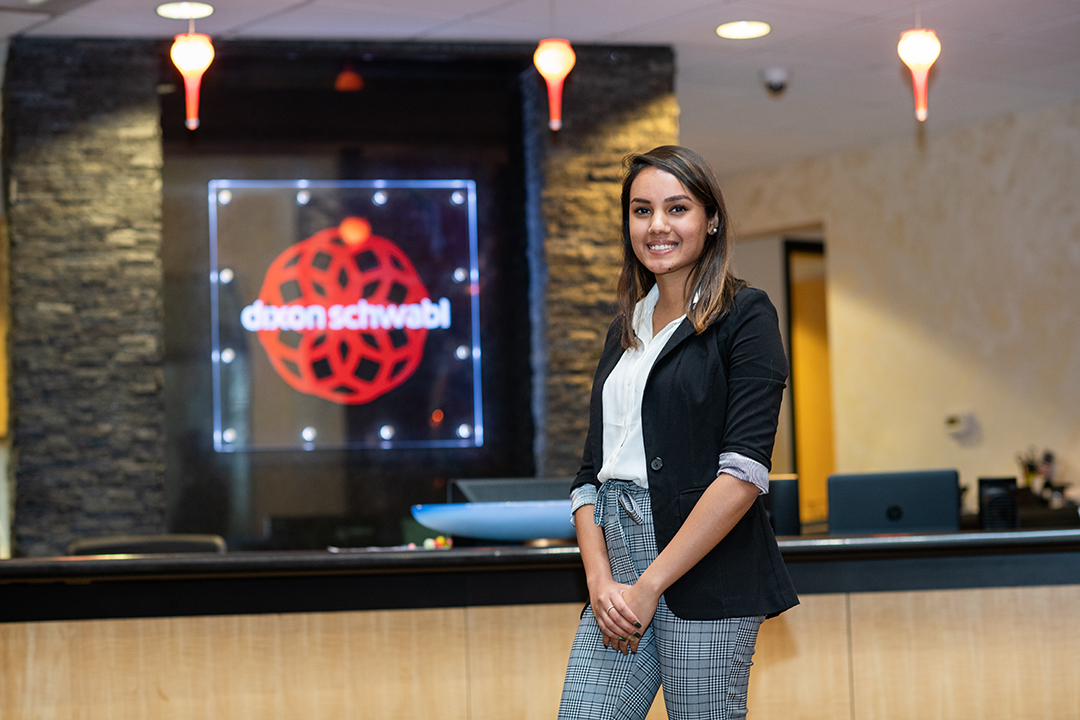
(743, 30)
(185, 10)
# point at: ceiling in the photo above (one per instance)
(847, 86)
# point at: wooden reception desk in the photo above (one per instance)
(980, 625)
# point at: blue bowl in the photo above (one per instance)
(506, 521)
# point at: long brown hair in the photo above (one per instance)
(710, 280)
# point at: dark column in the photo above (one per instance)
(84, 192)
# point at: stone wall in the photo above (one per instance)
(617, 101)
(84, 211)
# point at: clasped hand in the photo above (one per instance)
(623, 612)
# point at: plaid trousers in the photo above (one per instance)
(703, 665)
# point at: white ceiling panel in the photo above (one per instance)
(847, 86)
(1063, 35)
(132, 18)
(483, 30)
(996, 59)
(13, 23)
(323, 21)
(598, 21)
(994, 18)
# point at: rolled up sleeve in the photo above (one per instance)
(745, 469)
(581, 495)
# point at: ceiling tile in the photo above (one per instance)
(12, 23)
(995, 18)
(130, 18)
(847, 86)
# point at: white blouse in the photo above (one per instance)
(624, 445)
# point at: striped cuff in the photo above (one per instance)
(581, 495)
(745, 469)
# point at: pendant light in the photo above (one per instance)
(919, 48)
(191, 52)
(554, 58)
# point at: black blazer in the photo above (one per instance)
(708, 394)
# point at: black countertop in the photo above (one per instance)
(794, 549)
(256, 582)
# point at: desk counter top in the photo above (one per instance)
(256, 582)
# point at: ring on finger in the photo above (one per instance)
(610, 609)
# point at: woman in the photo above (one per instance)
(681, 563)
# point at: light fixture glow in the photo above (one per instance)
(743, 30)
(355, 231)
(192, 53)
(919, 49)
(348, 80)
(554, 58)
(185, 10)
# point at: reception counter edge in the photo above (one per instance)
(97, 587)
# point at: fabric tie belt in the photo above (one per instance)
(621, 488)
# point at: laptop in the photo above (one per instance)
(915, 501)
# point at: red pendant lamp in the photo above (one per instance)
(919, 49)
(554, 58)
(191, 52)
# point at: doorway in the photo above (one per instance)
(811, 386)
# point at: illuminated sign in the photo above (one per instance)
(375, 313)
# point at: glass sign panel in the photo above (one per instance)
(345, 314)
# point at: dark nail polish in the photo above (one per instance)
(637, 625)
(622, 639)
(637, 635)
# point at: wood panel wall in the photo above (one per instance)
(999, 653)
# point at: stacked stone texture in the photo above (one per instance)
(616, 101)
(84, 194)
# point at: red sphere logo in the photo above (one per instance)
(343, 315)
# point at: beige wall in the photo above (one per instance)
(954, 286)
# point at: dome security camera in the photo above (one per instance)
(775, 80)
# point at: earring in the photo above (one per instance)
(712, 230)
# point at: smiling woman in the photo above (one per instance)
(667, 502)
